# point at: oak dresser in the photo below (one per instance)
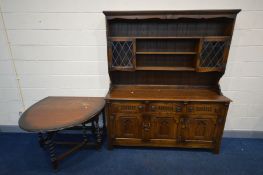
(165, 68)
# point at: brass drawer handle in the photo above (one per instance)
(146, 126)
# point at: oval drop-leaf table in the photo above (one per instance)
(52, 114)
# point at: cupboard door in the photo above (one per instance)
(198, 127)
(128, 126)
(165, 127)
(213, 53)
(121, 53)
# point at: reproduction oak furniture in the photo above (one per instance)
(165, 68)
(53, 114)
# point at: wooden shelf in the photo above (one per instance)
(166, 53)
(168, 37)
(165, 68)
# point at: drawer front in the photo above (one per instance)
(166, 107)
(124, 107)
(203, 108)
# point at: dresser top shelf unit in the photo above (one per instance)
(152, 53)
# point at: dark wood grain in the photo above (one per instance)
(57, 113)
(171, 97)
(53, 114)
(171, 93)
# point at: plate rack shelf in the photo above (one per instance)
(168, 53)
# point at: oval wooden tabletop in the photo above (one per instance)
(56, 113)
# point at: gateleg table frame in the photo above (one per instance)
(47, 139)
(78, 112)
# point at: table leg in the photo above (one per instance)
(104, 121)
(98, 133)
(93, 129)
(41, 140)
(84, 132)
(49, 142)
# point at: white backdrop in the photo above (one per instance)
(58, 47)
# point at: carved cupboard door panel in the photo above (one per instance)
(165, 127)
(198, 127)
(128, 126)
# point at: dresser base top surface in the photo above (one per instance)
(164, 93)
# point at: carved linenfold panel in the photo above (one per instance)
(200, 128)
(127, 126)
(165, 127)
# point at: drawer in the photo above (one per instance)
(165, 107)
(131, 107)
(203, 108)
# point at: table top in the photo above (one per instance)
(56, 113)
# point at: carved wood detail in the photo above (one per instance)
(127, 126)
(164, 69)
